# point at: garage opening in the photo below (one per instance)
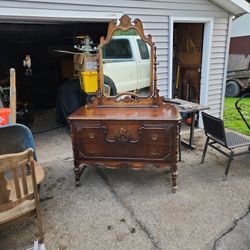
(187, 60)
(38, 83)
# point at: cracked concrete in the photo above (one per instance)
(126, 209)
(237, 236)
(129, 209)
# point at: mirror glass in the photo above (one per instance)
(126, 64)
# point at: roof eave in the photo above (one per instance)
(233, 7)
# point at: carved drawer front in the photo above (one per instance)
(125, 142)
(161, 135)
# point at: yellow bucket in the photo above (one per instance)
(88, 81)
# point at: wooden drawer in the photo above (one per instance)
(131, 141)
(159, 135)
(128, 152)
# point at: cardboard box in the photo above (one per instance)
(84, 62)
(78, 58)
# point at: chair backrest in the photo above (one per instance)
(214, 127)
(13, 167)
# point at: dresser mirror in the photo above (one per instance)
(126, 49)
(126, 66)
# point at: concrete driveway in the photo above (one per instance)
(127, 209)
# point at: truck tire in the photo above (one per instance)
(232, 88)
(110, 83)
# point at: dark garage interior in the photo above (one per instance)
(37, 86)
(187, 60)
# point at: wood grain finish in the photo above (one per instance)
(126, 130)
(125, 138)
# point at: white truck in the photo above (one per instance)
(126, 64)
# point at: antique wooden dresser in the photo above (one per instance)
(130, 129)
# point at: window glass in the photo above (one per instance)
(117, 49)
(143, 48)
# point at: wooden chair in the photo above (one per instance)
(19, 196)
(18, 188)
(216, 136)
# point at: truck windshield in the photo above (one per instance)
(117, 49)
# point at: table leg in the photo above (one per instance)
(191, 135)
(179, 141)
(192, 130)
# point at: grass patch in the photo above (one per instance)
(232, 118)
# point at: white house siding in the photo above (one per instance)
(155, 16)
(217, 65)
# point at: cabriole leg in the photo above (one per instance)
(174, 178)
(77, 173)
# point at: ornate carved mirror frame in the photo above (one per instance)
(127, 99)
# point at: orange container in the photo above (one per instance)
(4, 116)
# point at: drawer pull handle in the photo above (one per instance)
(154, 151)
(91, 150)
(154, 137)
(91, 136)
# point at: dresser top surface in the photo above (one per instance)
(165, 112)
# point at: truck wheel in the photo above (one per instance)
(232, 88)
(110, 83)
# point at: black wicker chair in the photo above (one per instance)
(216, 135)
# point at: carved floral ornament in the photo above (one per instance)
(125, 23)
(125, 20)
(123, 135)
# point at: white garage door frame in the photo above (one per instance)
(38, 15)
(206, 52)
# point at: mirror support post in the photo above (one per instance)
(156, 95)
(99, 93)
